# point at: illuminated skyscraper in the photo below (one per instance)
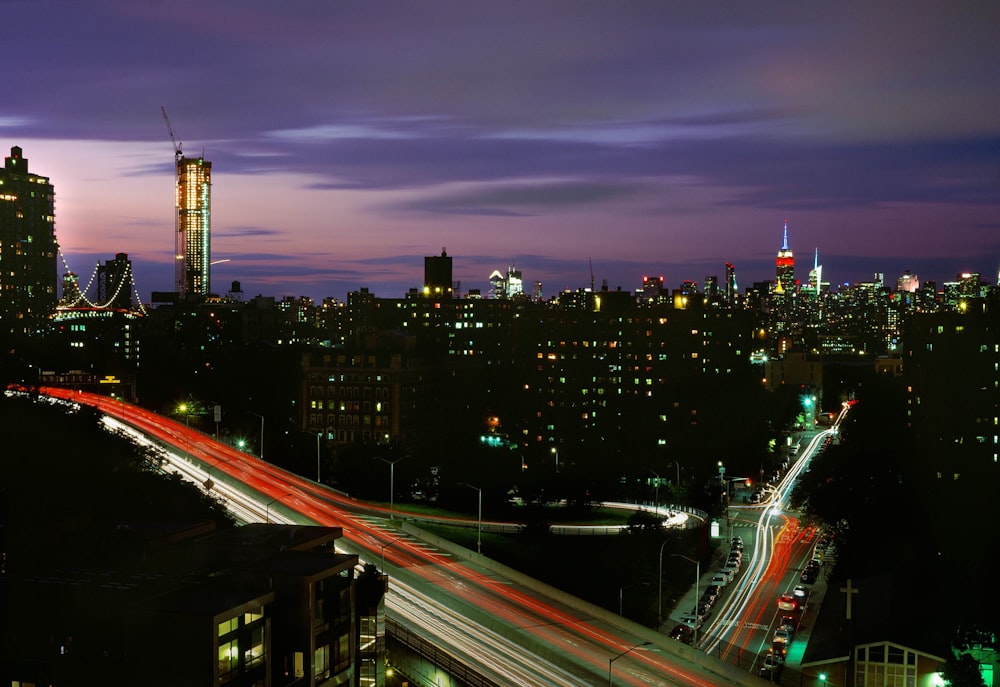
(28, 247)
(731, 287)
(193, 226)
(785, 265)
(816, 276)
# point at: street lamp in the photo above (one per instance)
(267, 508)
(388, 543)
(479, 534)
(615, 658)
(392, 483)
(621, 596)
(318, 434)
(208, 472)
(697, 596)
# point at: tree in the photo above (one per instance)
(963, 671)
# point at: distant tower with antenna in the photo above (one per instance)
(192, 221)
(785, 265)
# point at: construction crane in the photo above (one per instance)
(177, 144)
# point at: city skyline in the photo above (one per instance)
(351, 141)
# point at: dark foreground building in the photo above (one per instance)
(260, 605)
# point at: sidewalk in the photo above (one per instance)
(687, 602)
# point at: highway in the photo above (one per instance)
(512, 634)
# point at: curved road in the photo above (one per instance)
(510, 633)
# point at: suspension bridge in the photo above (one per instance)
(110, 288)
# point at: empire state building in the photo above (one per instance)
(785, 267)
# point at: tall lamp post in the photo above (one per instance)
(318, 434)
(392, 484)
(387, 544)
(615, 658)
(261, 453)
(479, 532)
(697, 579)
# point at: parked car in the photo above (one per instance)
(683, 634)
(787, 602)
(770, 667)
(782, 636)
(808, 576)
(801, 593)
(737, 543)
(720, 579)
(790, 622)
(713, 590)
(737, 554)
(691, 619)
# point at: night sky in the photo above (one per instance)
(350, 139)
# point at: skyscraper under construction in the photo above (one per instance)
(192, 221)
(193, 226)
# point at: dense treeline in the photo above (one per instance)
(65, 475)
